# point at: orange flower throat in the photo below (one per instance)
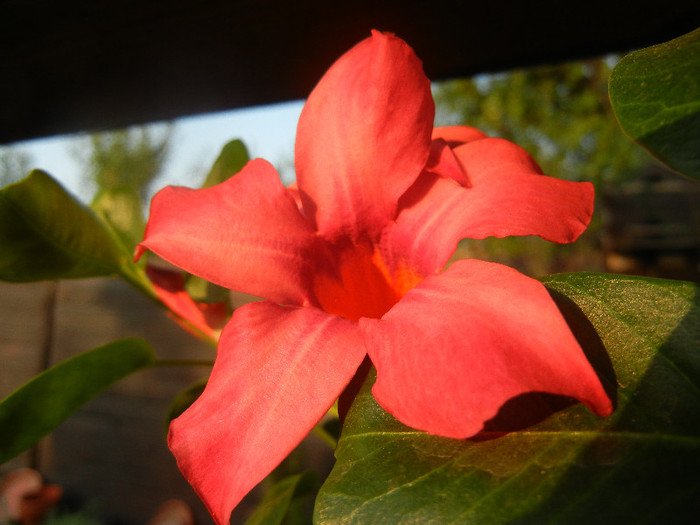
(357, 282)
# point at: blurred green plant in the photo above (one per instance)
(132, 157)
(122, 166)
(560, 114)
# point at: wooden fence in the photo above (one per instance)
(112, 452)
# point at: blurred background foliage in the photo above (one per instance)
(122, 167)
(561, 115)
(132, 157)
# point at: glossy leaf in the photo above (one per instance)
(655, 93)
(45, 233)
(283, 502)
(544, 459)
(230, 161)
(47, 400)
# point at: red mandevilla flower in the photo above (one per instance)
(355, 267)
(198, 318)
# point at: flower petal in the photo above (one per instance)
(444, 163)
(245, 234)
(458, 135)
(462, 343)
(278, 371)
(508, 196)
(363, 136)
(198, 318)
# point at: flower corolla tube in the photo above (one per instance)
(352, 262)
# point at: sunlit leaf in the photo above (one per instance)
(231, 160)
(45, 233)
(639, 465)
(121, 208)
(655, 93)
(39, 406)
(283, 502)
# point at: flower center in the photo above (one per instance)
(357, 282)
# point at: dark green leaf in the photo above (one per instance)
(655, 93)
(282, 503)
(46, 234)
(121, 209)
(43, 403)
(231, 160)
(184, 399)
(639, 465)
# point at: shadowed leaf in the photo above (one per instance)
(283, 502)
(570, 466)
(184, 399)
(655, 93)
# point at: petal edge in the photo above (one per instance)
(278, 370)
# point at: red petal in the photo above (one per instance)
(245, 234)
(278, 371)
(444, 163)
(508, 196)
(457, 135)
(462, 343)
(363, 136)
(207, 318)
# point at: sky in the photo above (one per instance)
(267, 132)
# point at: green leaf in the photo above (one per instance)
(638, 465)
(203, 291)
(231, 160)
(283, 502)
(121, 209)
(184, 399)
(655, 93)
(46, 234)
(43, 403)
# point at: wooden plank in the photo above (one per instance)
(112, 452)
(24, 336)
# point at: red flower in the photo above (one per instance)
(355, 266)
(198, 318)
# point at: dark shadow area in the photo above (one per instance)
(652, 225)
(521, 412)
(643, 466)
(350, 393)
(527, 410)
(590, 342)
